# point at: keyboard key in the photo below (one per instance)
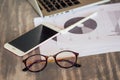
(53, 0)
(76, 2)
(43, 4)
(52, 8)
(47, 2)
(58, 6)
(48, 10)
(68, 2)
(63, 4)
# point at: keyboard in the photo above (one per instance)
(53, 5)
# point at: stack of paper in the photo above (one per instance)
(100, 34)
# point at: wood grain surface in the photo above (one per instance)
(16, 18)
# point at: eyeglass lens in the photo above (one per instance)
(36, 63)
(66, 59)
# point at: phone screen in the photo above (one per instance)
(32, 38)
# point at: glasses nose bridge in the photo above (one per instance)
(51, 58)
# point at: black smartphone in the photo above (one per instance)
(32, 39)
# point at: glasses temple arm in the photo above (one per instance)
(25, 69)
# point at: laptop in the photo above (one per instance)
(52, 7)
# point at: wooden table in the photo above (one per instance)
(16, 18)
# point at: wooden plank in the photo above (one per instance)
(16, 18)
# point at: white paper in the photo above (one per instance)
(102, 35)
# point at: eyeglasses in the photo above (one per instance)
(64, 59)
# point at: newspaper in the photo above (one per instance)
(98, 35)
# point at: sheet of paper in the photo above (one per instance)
(97, 35)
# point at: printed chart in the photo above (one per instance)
(86, 27)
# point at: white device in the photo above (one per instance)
(32, 39)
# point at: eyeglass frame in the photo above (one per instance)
(46, 60)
